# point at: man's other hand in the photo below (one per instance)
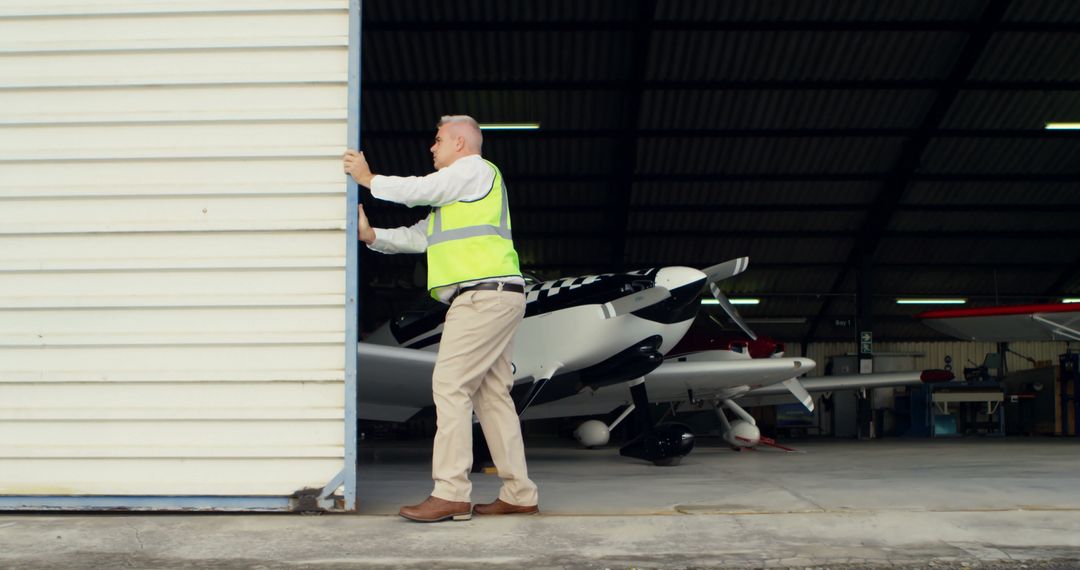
(363, 228)
(357, 167)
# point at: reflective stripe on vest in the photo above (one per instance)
(438, 235)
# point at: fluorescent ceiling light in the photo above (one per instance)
(1071, 300)
(937, 301)
(510, 127)
(1061, 126)
(734, 301)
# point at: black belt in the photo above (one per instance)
(490, 286)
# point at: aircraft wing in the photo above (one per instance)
(673, 380)
(1055, 321)
(879, 380)
(393, 383)
(779, 394)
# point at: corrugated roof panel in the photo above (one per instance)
(568, 220)
(536, 156)
(496, 11)
(781, 280)
(1015, 56)
(410, 157)
(976, 193)
(992, 156)
(1043, 11)
(448, 55)
(842, 303)
(389, 111)
(974, 250)
(789, 109)
(515, 157)
(568, 195)
(744, 55)
(555, 250)
(1011, 109)
(912, 220)
(702, 252)
(951, 281)
(831, 10)
(802, 55)
(750, 155)
(723, 192)
(676, 222)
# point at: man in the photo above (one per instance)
(473, 267)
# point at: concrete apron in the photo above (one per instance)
(894, 503)
(1015, 538)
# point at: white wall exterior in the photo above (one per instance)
(172, 246)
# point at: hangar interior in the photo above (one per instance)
(857, 152)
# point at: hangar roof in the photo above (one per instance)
(816, 137)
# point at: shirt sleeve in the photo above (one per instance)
(406, 239)
(462, 180)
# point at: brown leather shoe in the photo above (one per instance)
(500, 507)
(435, 509)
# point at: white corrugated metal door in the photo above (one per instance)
(172, 246)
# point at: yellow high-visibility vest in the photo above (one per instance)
(470, 241)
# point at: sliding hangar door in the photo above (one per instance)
(174, 254)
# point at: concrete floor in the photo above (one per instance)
(890, 503)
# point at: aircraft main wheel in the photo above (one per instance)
(668, 461)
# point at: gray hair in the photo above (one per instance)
(475, 137)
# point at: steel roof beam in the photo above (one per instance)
(429, 85)
(1026, 208)
(633, 26)
(794, 265)
(1070, 177)
(625, 153)
(601, 232)
(1034, 133)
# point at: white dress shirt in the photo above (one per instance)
(467, 178)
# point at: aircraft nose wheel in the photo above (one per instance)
(665, 446)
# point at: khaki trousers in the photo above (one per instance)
(473, 374)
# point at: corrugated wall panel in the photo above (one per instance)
(932, 354)
(172, 246)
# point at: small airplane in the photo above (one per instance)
(578, 334)
(750, 370)
(583, 341)
(1051, 321)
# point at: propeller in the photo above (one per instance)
(718, 273)
(726, 270)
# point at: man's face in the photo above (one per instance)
(444, 149)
